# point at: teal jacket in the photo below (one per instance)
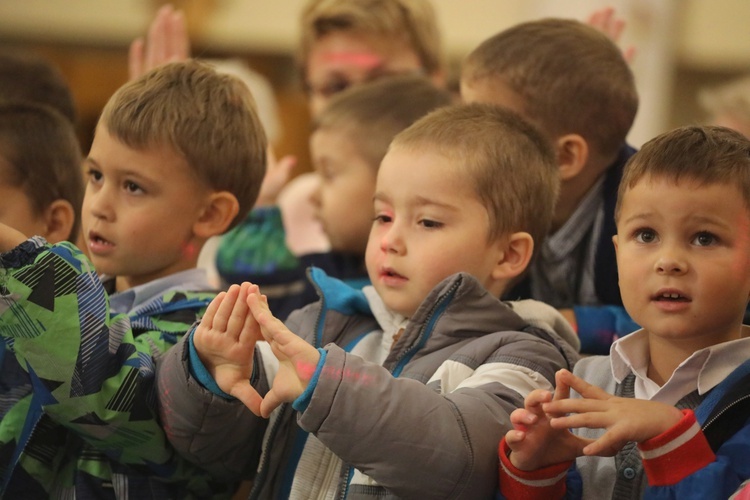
(77, 393)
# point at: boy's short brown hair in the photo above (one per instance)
(571, 78)
(40, 154)
(373, 113)
(509, 162)
(414, 20)
(703, 154)
(27, 77)
(207, 118)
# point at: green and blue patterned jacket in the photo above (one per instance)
(77, 393)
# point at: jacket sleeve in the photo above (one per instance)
(256, 248)
(88, 371)
(680, 463)
(218, 434)
(548, 483)
(407, 436)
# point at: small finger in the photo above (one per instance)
(562, 389)
(180, 39)
(135, 59)
(582, 387)
(269, 404)
(607, 445)
(536, 398)
(249, 397)
(520, 418)
(514, 437)
(213, 306)
(239, 313)
(221, 318)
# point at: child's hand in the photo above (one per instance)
(167, 41)
(277, 175)
(534, 443)
(604, 20)
(225, 341)
(297, 358)
(625, 419)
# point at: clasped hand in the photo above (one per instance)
(225, 341)
(542, 435)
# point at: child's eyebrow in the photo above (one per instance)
(418, 201)
(421, 201)
(642, 215)
(90, 160)
(381, 197)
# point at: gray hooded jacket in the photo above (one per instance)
(421, 419)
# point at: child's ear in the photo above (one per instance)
(572, 152)
(219, 211)
(516, 257)
(59, 218)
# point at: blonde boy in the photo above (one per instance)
(573, 83)
(178, 157)
(399, 389)
(677, 388)
(349, 139)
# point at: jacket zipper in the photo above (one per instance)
(724, 410)
(263, 469)
(426, 328)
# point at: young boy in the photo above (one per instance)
(399, 388)
(677, 388)
(348, 42)
(177, 157)
(573, 83)
(348, 142)
(41, 186)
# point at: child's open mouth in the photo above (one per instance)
(671, 297)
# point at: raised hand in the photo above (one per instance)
(277, 175)
(533, 441)
(297, 358)
(625, 419)
(225, 342)
(605, 20)
(167, 41)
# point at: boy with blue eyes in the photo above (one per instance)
(404, 388)
(178, 157)
(669, 399)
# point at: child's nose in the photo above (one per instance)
(100, 204)
(392, 240)
(671, 261)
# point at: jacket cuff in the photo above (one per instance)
(199, 371)
(23, 254)
(301, 403)
(676, 453)
(543, 484)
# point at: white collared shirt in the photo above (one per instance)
(703, 370)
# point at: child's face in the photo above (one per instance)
(429, 224)
(138, 211)
(683, 256)
(343, 201)
(339, 60)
